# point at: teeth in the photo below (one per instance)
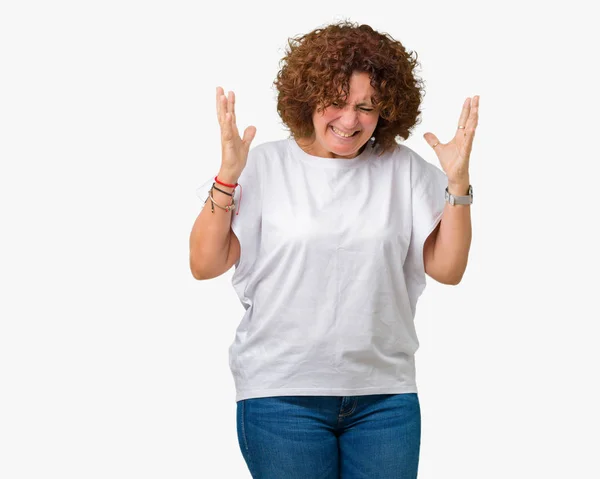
(341, 133)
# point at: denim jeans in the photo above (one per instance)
(331, 437)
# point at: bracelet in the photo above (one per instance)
(230, 186)
(224, 192)
(226, 208)
(224, 184)
(229, 207)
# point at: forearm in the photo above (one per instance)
(211, 233)
(453, 239)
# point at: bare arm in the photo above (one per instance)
(211, 236)
(446, 250)
(212, 247)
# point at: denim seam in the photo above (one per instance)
(351, 410)
(250, 466)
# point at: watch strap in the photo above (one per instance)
(459, 200)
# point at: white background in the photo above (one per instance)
(113, 358)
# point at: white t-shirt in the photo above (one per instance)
(330, 270)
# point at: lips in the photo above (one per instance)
(342, 137)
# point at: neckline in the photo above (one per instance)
(339, 163)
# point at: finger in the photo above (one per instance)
(471, 125)
(226, 131)
(230, 128)
(223, 106)
(473, 116)
(219, 112)
(464, 114)
(231, 105)
(234, 127)
(431, 140)
(222, 101)
(231, 111)
(249, 134)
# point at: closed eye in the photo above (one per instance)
(336, 105)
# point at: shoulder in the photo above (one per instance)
(394, 160)
(421, 171)
(258, 154)
(268, 149)
(258, 157)
(423, 174)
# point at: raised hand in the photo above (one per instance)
(234, 149)
(454, 156)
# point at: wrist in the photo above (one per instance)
(227, 176)
(459, 188)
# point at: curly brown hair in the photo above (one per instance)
(316, 72)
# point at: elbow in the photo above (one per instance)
(197, 272)
(202, 270)
(446, 276)
(455, 279)
(196, 275)
(447, 280)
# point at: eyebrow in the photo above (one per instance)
(365, 103)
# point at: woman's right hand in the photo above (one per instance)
(234, 150)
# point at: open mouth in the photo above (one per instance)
(343, 137)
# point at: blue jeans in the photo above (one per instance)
(330, 437)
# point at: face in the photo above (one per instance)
(357, 117)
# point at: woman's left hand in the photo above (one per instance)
(454, 156)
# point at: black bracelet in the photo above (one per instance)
(219, 189)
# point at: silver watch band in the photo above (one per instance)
(459, 200)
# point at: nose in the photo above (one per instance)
(349, 118)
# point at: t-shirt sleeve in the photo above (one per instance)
(428, 184)
(246, 219)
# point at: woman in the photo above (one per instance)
(332, 235)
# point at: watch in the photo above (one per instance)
(459, 200)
